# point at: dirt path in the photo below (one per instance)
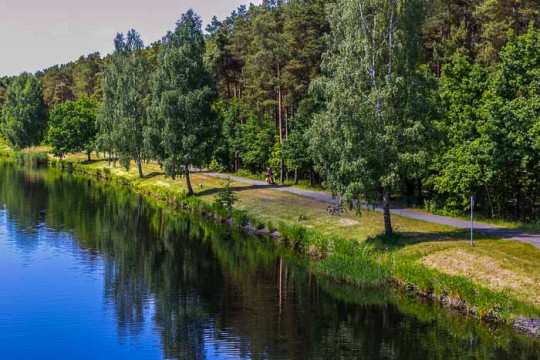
(494, 230)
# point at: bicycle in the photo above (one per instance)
(336, 210)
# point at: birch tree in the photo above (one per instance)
(182, 124)
(367, 129)
(122, 116)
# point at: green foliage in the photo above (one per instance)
(24, 113)
(182, 124)
(258, 143)
(122, 116)
(368, 125)
(31, 158)
(72, 127)
(226, 198)
(491, 121)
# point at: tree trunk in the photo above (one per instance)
(188, 183)
(386, 212)
(139, 166)
(311, 176)
(296, 176)
(88, 154)
(280, 124)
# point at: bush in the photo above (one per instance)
(226, 198)
(31, 158)
(294, 235)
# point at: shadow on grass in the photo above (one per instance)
(153, 175)
(235, 188)
(93, 161)
(403, 239)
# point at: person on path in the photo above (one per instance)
(269, 177)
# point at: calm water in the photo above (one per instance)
(88, 272)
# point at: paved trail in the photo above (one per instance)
(489, 229)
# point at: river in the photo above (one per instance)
(93, 271)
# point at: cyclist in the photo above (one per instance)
(269, 176)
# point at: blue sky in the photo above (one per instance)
(36, 34)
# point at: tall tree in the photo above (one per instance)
(263, 70)
(125, 91)
(57, 83)
(182, 123)
(496, 18)
(24, 113)
(72, 127)
(86, 75)
(362, 135)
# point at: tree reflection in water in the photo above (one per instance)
(208, 290)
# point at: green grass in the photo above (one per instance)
(495, 283)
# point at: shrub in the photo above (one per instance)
(225, 197)
(31, 158)
(294, 235)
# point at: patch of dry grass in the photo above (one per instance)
(499, 265)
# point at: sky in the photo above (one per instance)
(37, 34)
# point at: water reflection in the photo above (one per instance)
(207, 292)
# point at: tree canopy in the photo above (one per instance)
(182, 123)
(24, 113)
(72, 127)
(422, 101)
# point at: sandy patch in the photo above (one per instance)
(348, 222)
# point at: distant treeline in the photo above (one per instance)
(430, 101)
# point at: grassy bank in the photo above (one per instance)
(496, 280)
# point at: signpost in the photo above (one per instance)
(471, 198)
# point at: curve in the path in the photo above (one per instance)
(489, 229)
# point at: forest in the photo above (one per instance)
(418, 102)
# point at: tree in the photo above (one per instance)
(182, 123)
(296, 146)
(24, 113)
(461, 165)
(491, 122)
(122, 115)
(496, 18)
(72, 127)
(86, 75)
(361, 136)
(57, 83)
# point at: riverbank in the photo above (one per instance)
(497, 280)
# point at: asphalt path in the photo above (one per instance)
(489, 229)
